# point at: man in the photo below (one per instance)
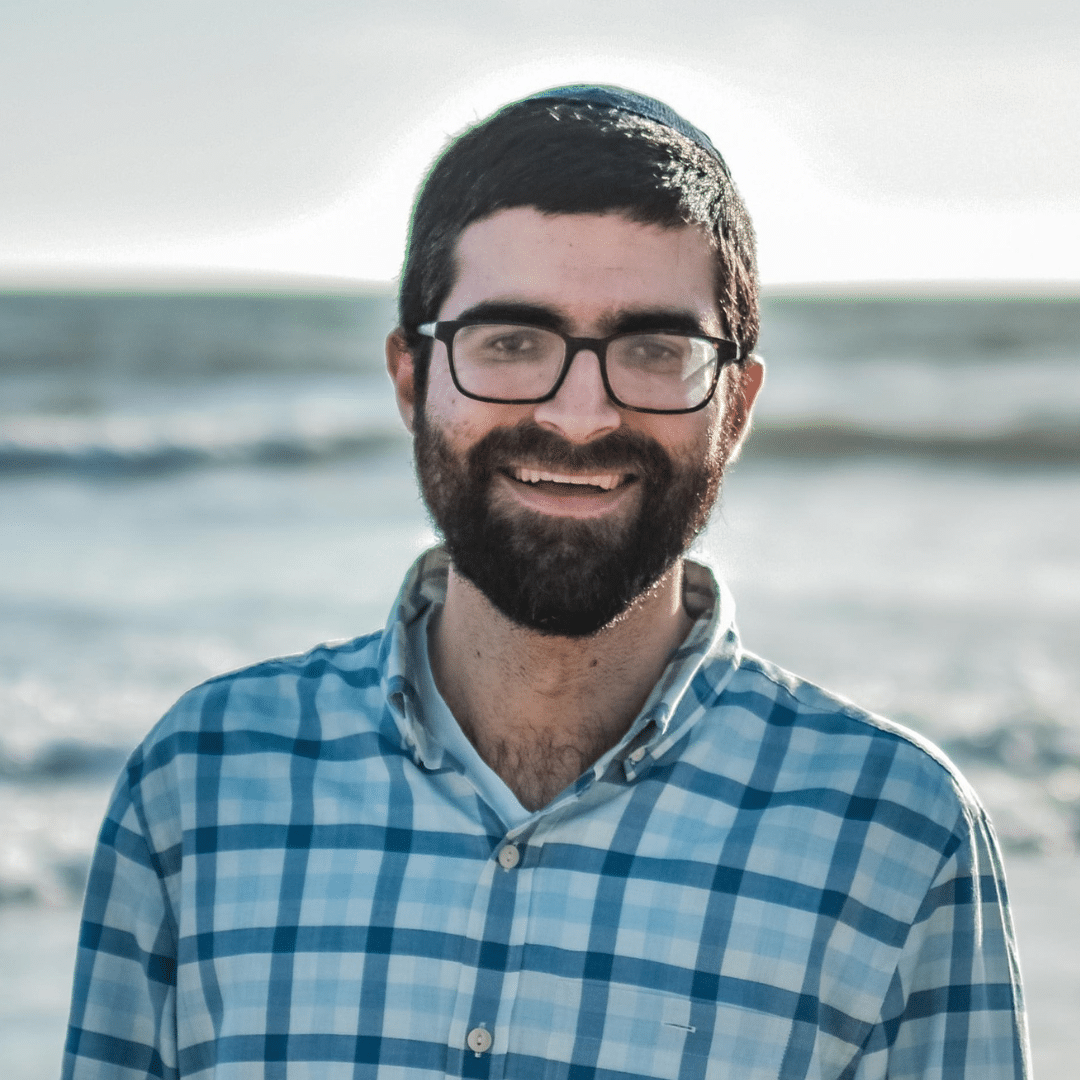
(553, 821)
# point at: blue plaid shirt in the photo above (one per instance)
(759, 881)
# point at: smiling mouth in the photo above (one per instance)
(569, 483)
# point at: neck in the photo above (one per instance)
(541, 709)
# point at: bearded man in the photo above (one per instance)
(553, 821)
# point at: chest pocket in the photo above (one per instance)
(642, 1032)
(639, 1032)
(615, 1028)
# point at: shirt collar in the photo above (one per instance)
(711, 652)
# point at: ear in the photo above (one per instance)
(399, 363)
(739, 404)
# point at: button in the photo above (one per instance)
(509, 857)
(636, 755)
(479, 1040)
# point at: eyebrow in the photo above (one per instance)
(681, 321)
(512, 311)
(627, 321)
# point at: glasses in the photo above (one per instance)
(514, 364)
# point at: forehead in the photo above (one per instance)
(588, 266)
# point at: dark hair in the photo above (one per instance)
(573, 158)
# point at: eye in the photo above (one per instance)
(655, 351)
(493, 343)
(512, 342)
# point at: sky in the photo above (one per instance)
(937, 140)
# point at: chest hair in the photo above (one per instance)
(537, 764)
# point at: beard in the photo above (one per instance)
(559, 575)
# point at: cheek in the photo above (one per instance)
(689, 438)
(463, 420)
(447, 409)
(442, 402)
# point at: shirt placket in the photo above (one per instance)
(498, 922)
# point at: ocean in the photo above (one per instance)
(190, 483)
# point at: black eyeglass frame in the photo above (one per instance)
(445, 330)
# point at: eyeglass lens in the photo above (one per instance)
(647, 370)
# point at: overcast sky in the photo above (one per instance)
(935, 139)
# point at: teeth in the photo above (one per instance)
(607, 481)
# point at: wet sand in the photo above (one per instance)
(37, 951)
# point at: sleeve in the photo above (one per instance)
(123, 1010)
(955, 1008)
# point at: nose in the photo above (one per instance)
(581, 411)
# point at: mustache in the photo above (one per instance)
(529, 444)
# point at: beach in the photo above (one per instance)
(190, 485)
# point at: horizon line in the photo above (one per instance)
(184, 281)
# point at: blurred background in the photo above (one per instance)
(202, 211)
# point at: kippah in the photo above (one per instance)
(616, 97)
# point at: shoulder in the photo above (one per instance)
(833, 797)
(327, 693)
(863, 764)
(267, 693)
(234, 739)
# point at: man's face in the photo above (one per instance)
(565, 512)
